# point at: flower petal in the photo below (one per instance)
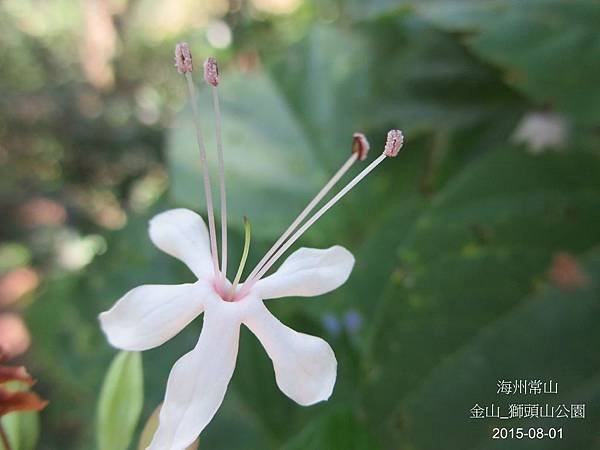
(149, 315)
(19, 401)
(308, 272)
(197, 383)
(182, 234)
(305, 366)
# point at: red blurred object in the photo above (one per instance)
(20, 401)
(14, 337)
(10, 400)
(19, 373)
(41, 211)
(567, 273)
(17, 283)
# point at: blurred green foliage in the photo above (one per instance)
(120, 401)
(454, 240)
(23, 428)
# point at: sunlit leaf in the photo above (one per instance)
(120, 402)
(325, 78)
(271, 170)
(22, 428)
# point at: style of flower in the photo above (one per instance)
(147, 316)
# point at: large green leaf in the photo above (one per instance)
(476, 252)
(322, 89)
(327, 82)
(395, 73)
(269, 165)
(548, 49)
(120, 402)
(428, 81)
(541, 338)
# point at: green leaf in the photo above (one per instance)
(241, 417)
(482, 246)
(269, 165)
(120, 402)
(548, 49)
(401, 73)
(338, 430)
(373, 9)
(325, 80)
(428, 80)
(549, 328)
(22, 428)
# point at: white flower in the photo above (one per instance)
(149, 315)
(541, 131)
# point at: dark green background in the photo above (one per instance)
(454, 239)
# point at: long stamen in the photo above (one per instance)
(183, 62)
(392, 147)
(211, 76)
(238, 275)
(360, 148)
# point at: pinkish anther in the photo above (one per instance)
(394, 142)
(360, 145)
(211, 71)
(183, 58)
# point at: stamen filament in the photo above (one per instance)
(207, 188)
(322, 193)
(312, 220)
(222, 192)
(238, 275)
(211, 76)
